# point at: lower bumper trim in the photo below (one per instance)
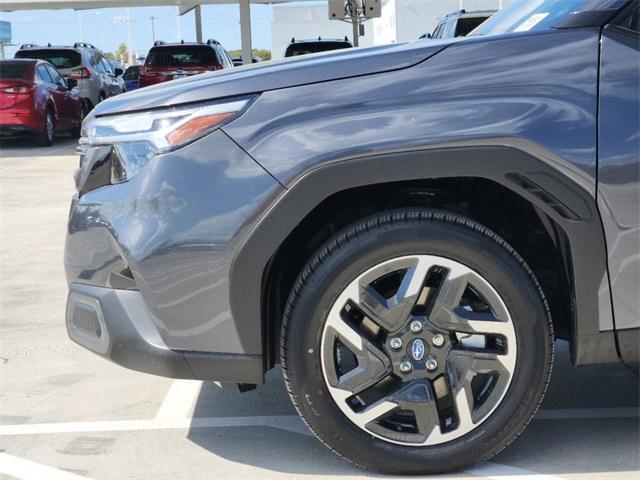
(117, 325)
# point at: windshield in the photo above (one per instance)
(132, 73)
(467, 24)
(13, 70)
(59, 58)
(181, 56)
(530, 15)
(304, 48)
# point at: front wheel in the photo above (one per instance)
(76, 132)
(416, 342)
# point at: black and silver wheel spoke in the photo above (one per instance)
(418, 350)
(448, 313)
(372, 363)
(392, 312)
(465, 365)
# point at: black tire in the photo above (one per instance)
(76, 132)
(395, 234)
(45, 138)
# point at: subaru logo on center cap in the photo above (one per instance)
(417, 349)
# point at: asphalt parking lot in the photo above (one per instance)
(67, 414)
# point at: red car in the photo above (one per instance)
(176, 60)
(35, 99)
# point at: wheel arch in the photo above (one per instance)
(566, 210)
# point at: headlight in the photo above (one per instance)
(167, 128)
(137, 137)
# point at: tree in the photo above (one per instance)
(256, 52)
(122, 53)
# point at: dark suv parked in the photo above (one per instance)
(168, 61)
(459, 24)
(316, 45)
(406, 229)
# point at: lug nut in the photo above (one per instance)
(416, 326)
(431, 364)
(405, 367)
(437, 340)
(395, 343)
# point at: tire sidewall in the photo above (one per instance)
(49, 133)
(493, 262)
(43, 138)
(76, 132)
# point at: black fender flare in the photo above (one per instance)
(531, 172)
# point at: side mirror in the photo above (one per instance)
(118, 72)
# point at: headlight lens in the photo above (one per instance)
(165, 129)
(137, 137)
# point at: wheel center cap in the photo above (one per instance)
(418, 349)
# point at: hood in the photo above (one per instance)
(273, 75)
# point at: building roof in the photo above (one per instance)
(12, 5)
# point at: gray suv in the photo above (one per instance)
(83, 66)
(459, 24)
(406, 229)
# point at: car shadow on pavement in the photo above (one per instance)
(583, 442)
(262, 446)
(27, 147)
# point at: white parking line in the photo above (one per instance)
(292, 423)
(28, 470)
(496, 471)
(180, 400)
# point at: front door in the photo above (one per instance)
(619, 170)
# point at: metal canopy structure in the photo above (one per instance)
(183, 7)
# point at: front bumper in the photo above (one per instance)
(151, 257)
(117, 325)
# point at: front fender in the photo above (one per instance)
(524, 168)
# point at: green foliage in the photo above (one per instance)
(256, 52)
(122, 53)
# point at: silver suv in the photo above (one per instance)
(458, 24)
(82, 65)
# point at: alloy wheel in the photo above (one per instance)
(418, 350)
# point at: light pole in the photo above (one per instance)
(197, 12)
(178, 24)
(130, 36)
(81, 27)
(95, 22)
(355, 23)
(245, 32)
(353, 8)
(153, 29)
